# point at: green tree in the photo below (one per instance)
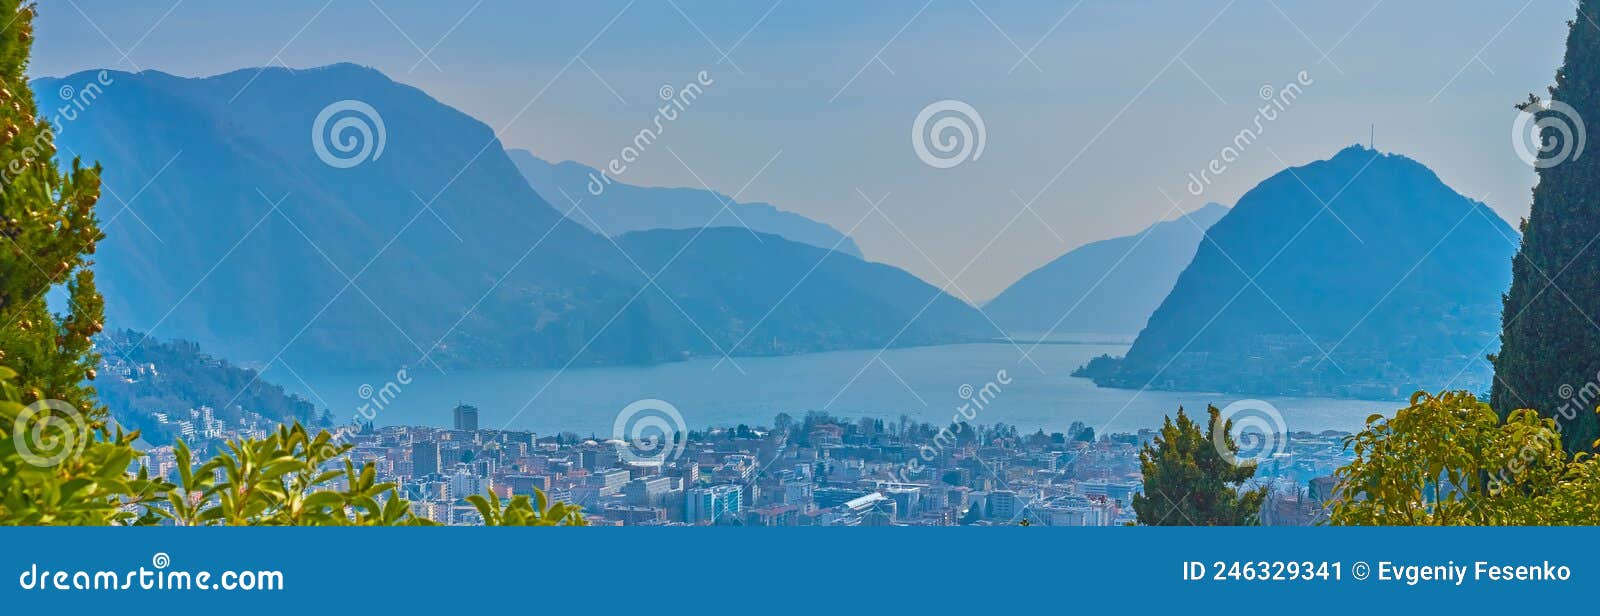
(47, 220)
(782, 423)
(1189, 482)
(60, 461)
(58, 469)
(1450, 460)
(1550, 345)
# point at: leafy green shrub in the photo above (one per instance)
(1449, 460)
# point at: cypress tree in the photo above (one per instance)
(60, 460)
(49, 230)
(1550, 340)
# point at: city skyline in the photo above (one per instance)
(819, 471)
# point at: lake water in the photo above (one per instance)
(925, 383)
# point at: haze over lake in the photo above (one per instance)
(924, 383)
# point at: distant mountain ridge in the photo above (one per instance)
(1105, 287)
(1397, 279)
(622, 208)
(797, 298)
(238, 236)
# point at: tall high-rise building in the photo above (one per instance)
(1004, 505)
(424, 458)
(466, 417)
(712, 504)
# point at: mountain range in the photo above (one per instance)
(229, 225)
(233, 222)
(1105, 287)
(621, 208)
(1362, 275)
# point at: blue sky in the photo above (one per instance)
(1115, 104)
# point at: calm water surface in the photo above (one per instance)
(924, 383)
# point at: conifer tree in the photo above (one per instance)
(59, 461)
(1189, 482)
(48, 223)
(1550, 342)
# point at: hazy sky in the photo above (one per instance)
(1117, 102)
